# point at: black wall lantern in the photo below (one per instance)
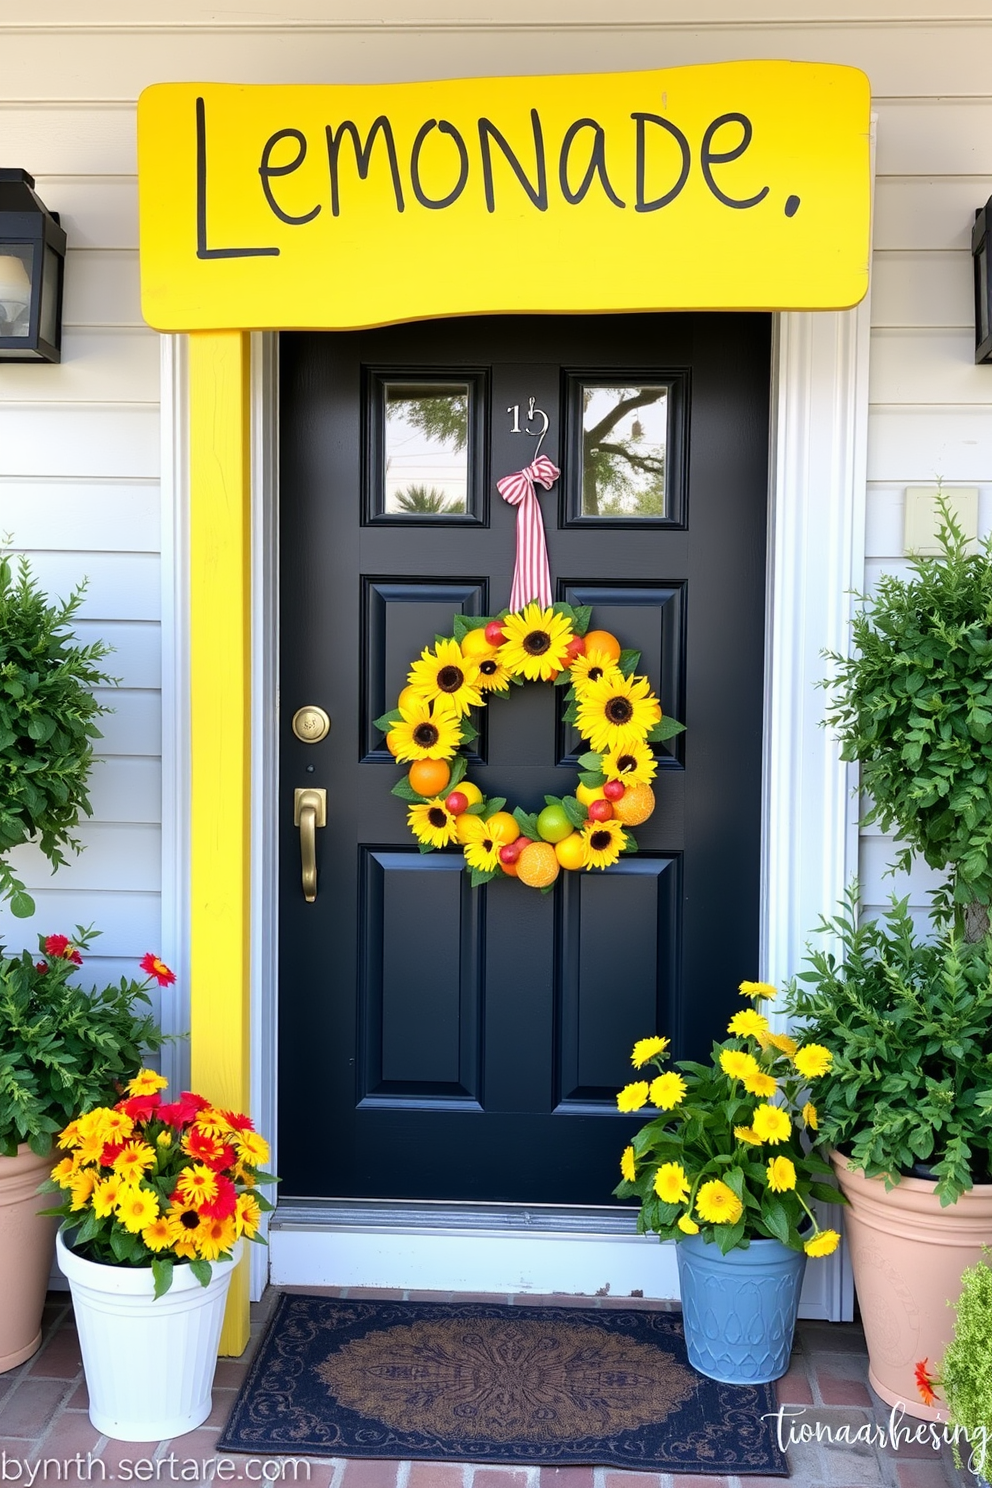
(980, 246)
(32, 257)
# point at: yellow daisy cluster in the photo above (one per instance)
(178, 1175)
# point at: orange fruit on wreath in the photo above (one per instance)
(635, 805)
(571, 851)
(603, 642)
(537, 865)
(430, 776)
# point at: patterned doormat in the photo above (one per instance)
(481, 1382)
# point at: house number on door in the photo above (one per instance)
(534, 415)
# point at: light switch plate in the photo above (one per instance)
(922, 518)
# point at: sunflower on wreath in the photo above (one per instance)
(612, 707)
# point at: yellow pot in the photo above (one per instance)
(27, 1243)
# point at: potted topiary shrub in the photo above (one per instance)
(904, 1108)
(47, 723)
(63, 1050)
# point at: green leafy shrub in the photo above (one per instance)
(63, 1050)
(965, 1372)
(909, 1025)
(47, 713)
(913, 706)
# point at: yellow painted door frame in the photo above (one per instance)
(220, 728)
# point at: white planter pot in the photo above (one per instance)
(149, 1362)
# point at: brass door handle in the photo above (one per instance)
(309, 813)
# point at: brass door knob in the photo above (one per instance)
(309, 813)
(311, 724)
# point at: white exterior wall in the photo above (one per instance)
(80, 443)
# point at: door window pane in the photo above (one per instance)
(425, 449)
(624, 450)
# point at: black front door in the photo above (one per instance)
(443, 1042)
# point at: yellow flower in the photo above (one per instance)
(105, 1195)
(481, 843)
(214, 1237)
(602, 843)
(758, 991)
(823, 1243)
(164, 1139)
(493, 675)
(627, 1167)
(81, 1186)
(591, 666)
(633, 1097)
(780, 1041)
(687, 1226)
(63, 1171)
(760, 1084)
(136, 1207)
(812, 1060)
(771, 1124)
(667, 1091)
(251, 1148)
(248, 1215)
(737, 1064)
(444, 674)
(130, 1165)
(635, 765)
(70, 1136)
(536, 643)
(157, 1235)
(670, 1183)
(146, 1082)
(432, 823)
(810, 1117)
(747, 1024)
(718, 1204)
(616, 712)
(647, 1048)
(781, 1174)
(747, 1134)
(423, 732)
(116, 1127)
(197, 1184)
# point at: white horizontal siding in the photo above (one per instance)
(105, 364)
(79, 515)
(102, 287)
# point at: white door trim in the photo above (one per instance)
(817, 460)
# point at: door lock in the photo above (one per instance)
(309, 813)
(311, 724)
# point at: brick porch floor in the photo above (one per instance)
(43, 1420)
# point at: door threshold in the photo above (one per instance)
(413, 1216)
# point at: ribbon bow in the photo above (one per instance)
(531, 572)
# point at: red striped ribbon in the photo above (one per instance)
(531, 572)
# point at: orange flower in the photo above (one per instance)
(157, 969)
(197, 1185)
(925, 1383)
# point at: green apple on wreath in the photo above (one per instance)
(611, 706)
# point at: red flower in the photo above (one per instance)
(140, 1107)
(157, 969)
(925, 1383)
(237, 1121)
(41, 967)
(183, 1111)
(111, 1152)
(60, 948)
(224, 1204)
(224, 1159)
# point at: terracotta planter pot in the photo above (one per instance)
(27, 1243)
(908, 1255)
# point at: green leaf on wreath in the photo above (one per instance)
(425, 847)
(575, 811)
(629, 662)
(406, 792)
(629, 843)
(563, 678)
(385, 723)
(666, 729)
(583, 618)
(458, 767)
(527, 823)
(592, 779)
(565, 610)
(477, 808)
(547, 888)
(552, 800)
(482, 876)
(571, 714)
(493, 804)
(469, 731)
(590, 761)
(462, 624)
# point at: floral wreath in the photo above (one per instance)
(612, 707)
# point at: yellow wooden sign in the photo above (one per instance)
(734, 186)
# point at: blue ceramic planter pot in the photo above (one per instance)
(739, 1310)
